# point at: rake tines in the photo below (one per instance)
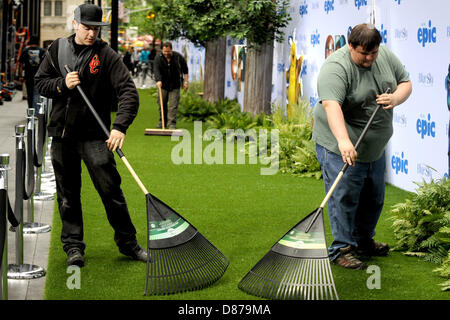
(181, 259)
(296, 268)
(192, 265)
(280, 277)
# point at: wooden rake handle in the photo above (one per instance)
(344, 168)
(107, 133)
(163, 126)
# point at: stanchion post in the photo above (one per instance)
(21, 270)
(30, 226)
(4, 167)
(20, 146)
(41, 113)
(41, 172)
(31, 135)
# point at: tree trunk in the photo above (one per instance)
(214, 82)
(258, 79)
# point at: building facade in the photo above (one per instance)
(56, 18)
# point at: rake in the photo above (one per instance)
(179, 257)
(182, 258)
(297, 267)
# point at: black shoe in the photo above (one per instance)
(373, 249)
(137, 253)
(75, 257)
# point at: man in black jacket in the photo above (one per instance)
(76, 134)
(30, 59)
(171, 72)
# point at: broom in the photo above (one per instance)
(163, 131)
(297, 266)
(179, 257)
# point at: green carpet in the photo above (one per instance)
(242, 212)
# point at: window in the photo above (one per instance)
(47, 8)
(58, 8)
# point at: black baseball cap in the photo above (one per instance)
(89, 15)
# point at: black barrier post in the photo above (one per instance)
(31, 227)
(42, 174)
(4, 167)
(21, 270)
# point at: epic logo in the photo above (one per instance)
(426, 127)
(426, 34)
(328, 6)
(304, 71)
(313, 100)
(280, 67)
(360, 3)
(383, 34)
(303, 9)
(399, 164)
(315, 38)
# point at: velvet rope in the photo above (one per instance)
(3, 213)
(15, 216)
(29, 187)
(39, 151)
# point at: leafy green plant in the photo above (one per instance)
(422, 225)
(193, 108)
(297, 151)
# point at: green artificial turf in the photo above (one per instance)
(242, 212)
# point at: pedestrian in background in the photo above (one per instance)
(30, 59)
(171, 73)
(145, 64)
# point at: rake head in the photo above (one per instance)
(181, 259)
(280, 277)
(193, 265)
(296, 268)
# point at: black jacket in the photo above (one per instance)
(105, 80)
(171, 74)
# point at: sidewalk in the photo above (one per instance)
(35, 246)
(148, 83)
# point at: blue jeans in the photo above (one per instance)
(356, 203)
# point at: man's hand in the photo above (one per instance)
(159, 84)
(185, 86)
(348, 151)
(115, 140)
(396, 98)
(388, 100)
(72, 80)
